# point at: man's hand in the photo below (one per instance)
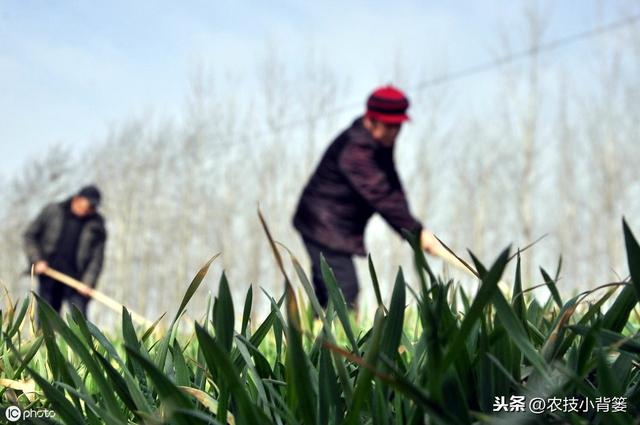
(40, 267)
(429, 243)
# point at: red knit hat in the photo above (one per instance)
(388, 105)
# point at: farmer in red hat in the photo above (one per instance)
(356, 178)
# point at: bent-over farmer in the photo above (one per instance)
(356, 178)
(70, 237)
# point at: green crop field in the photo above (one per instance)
(454, 358)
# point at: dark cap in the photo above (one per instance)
(92, 193)
(388, 105)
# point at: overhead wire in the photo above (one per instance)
(457, 75)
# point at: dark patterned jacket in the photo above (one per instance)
(355, 178)
(42, 235)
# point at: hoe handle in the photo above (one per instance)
(93, 293)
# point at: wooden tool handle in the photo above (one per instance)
(93, 293)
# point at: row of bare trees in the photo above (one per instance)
(551, 151)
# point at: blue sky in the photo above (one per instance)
(70, 69)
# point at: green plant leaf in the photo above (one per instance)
(218, 359)
(335, 294)
(298, 365)
(486, 292)
(224, 314)
(395, 318)
(47, 313)
(363, 383)
(163, 349)
(633, 257)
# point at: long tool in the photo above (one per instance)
(95, 294)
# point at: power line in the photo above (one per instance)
(469, 71)
(531, 51)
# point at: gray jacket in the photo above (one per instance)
(41, 238)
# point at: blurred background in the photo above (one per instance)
(525, 122)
